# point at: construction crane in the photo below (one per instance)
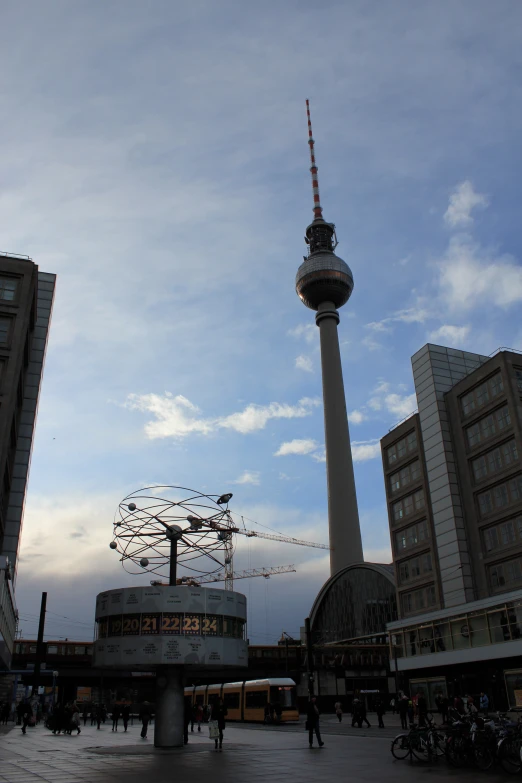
(277, 537)
(226, 531)
(223, 576)
(266, 572)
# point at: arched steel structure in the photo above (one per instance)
(356, 601)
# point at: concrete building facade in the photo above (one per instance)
(453, 477)
(26, 299)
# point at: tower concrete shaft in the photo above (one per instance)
(343, 513)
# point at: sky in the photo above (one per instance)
(155, 158)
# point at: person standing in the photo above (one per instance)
(219, 713)
(6, 711)
(459, 705)
(125, 714)
(379, 709)
(75, 718)
(312, 721)
(392, 706)
(145, 716)
(26, 713)
(483, 702)
(338, 710)
(57, 718)
(403, 712)
(116, 713)
(422, 709)
(85, 715)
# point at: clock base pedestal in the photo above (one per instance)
(170, 707)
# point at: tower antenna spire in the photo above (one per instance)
(318, 210)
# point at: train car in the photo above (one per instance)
(259, 693)
(233, 700)
(247, 701)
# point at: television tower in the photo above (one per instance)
(324, 283)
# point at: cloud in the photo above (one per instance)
(177, 417)
(356, 417)
(297, 446)
(363, 450)
(248, 477)
(450, 335)
(306, 331)
(409, 315)
(462, 201)
(471, 276)
(304, 363)
(401, 405)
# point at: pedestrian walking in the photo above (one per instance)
(116, 714)
(356, 709)
(312, 722)
(145, 716)
(85, 715)
(393, 704)
(338, 710)
(27, 713)
(219, 713)
(379, 709)
(403, 712)
(125, 715)
(93, 714)
(483, 702)
(363, 716)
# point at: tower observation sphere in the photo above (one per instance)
(323, 276)
(324, 283)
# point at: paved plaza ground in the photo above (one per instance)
(251, 753)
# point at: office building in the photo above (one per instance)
(453, 479)
(26, 299)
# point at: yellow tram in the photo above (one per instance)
(247, 700)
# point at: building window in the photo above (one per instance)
(518, 376)
(495, 460)
(506, 575)
(500, 496)
(418, 600)
(52, 649)
(405, 476)
(482, 394)
(488, 426)
(401, 448)
(408, 505)
(5, 330)
(8, 286)
(412, 536)
(414, 568)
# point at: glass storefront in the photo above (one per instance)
(513, 680)
(430, 687)
(495, 625)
